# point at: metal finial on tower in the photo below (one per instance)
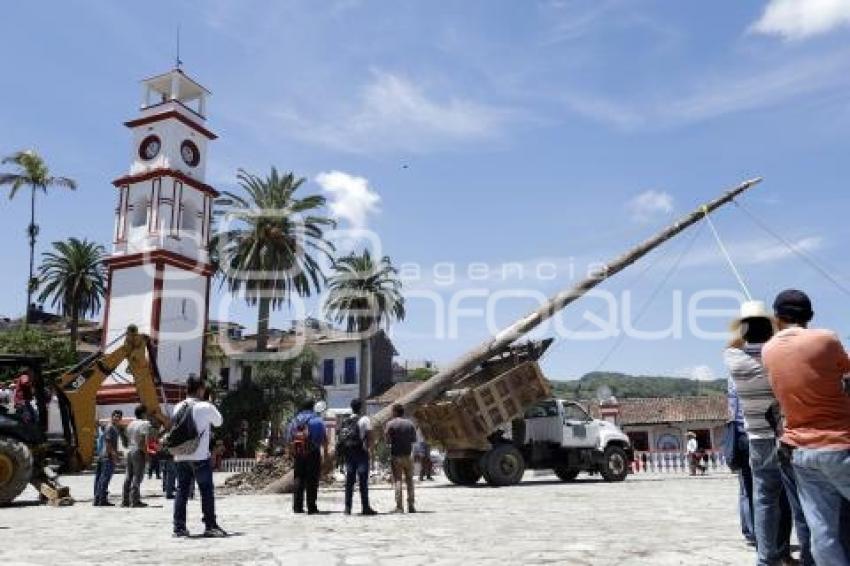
(177, 61)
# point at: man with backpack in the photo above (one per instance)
(354, 444)
(307, 440)
(189, 442)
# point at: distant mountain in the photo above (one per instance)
(623, 386)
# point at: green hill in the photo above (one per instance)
(624, 386)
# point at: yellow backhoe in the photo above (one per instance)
(29, 454)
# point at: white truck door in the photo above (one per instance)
(579, 429)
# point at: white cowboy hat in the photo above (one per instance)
(753, 309)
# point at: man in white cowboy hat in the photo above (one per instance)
(774, 486)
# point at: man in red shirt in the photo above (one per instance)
(806, 370)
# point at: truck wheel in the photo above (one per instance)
(505, 465)
(15, 469)
(462, 471)
(615, 464)
(566, 474)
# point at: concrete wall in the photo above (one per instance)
(182, 324)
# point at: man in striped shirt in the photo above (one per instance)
(774, 485)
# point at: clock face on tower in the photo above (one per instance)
(149, 148)
(190, 154)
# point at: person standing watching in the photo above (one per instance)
(196, 466)
(356, 438)
(400, 434)
(307, 440)
(107, 459)
(774, 485)
(806, 368)
(138, 432)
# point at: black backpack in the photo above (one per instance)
(183, 437)
(348, 440)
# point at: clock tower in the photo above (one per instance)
(159, 270)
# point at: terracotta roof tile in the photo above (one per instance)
(669, 409)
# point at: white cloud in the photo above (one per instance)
(650, 204)
(712, 97)
(393, 113)
(755, 252)
(799, 19)
(351, 197)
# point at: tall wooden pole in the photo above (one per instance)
(441, 382)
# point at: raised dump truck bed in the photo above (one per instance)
(465, 419)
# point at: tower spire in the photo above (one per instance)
(177, 62)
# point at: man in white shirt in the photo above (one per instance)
(197, 466)
(138, 432)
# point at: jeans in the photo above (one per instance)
(745, 502)
(105, 469)
(187, 473)
(823, 479)
(772, 482)
(308, 469)
(357, 471)
(169, 478)
(133, 477)
(402, 467)
(154, 467)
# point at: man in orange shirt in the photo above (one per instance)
(806, 370)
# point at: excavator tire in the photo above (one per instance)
(505, 466)
(462, 471)
(15, 469)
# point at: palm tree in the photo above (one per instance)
(33, 172)
(268, 249)
(364, 295)
(73, 274)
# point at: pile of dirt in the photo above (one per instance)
(261, 475)
(265, 472)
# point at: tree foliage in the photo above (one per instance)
(624, 386)
(269, 246)
(74, 276)
(33, 341)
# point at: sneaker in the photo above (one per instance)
(348, 510)
(397, 511)
(369, 512)
(180, 533)
(124, 504)
(298, 511)
(139, 504)
(411, 509)
(312, 511)
(106, 504)
(215, 532)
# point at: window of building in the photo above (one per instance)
(246, 374)
(350, 371)
(639, 440)
(328, 373)
(224, 379)
(138, 213)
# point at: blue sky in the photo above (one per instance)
(480, 132)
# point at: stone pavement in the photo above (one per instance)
(648, 519)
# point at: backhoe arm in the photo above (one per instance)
(81, 384)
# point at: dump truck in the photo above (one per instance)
(502, 421)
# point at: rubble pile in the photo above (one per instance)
(262, 474)
(265, 472)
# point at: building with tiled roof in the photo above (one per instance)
(662, 424)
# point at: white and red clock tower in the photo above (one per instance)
(159, 270)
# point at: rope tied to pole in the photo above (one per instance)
(726, 254)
